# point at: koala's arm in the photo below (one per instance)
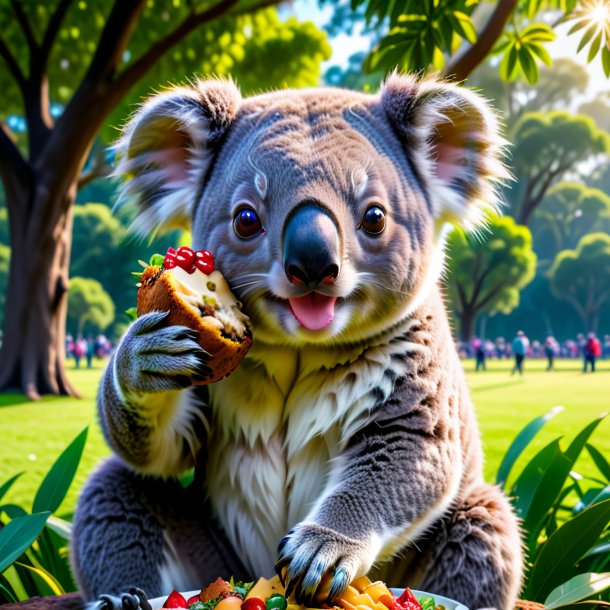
(150, 414)
(397, 476)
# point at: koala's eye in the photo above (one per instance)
(246, 223)
(373, 221)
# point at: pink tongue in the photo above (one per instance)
(314, 311)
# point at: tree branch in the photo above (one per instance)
(12, 64)
(98, 169)
(14, 169)
(26, 28)
(465, 63)
(140, 66)
(9, 153)
(53, 28)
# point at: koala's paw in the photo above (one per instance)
(311, 554)
(156, 358)
(132, 599)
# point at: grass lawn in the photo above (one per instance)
(33, 434)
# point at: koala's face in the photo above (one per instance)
(317, 219)
(323, 208)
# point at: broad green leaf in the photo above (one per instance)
(10, 596)
(468, 31)
(521, 441)
(18, 535)
(46, 577)
(600, 461)
(538, 32)
(577, 588)
(597, 41)
(55, 485)
(578, 444)
(13, 511)
(564, 548)
(60, 527)
(508, 64)
(541, 52)
(588, 35)
(6, 486)
(528, 64)
(606, 63)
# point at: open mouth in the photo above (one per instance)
(314, 311)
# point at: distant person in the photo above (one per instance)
(90, 351)
(80, 349)
(550, 348)
(593, 350)
(581, 343)
(478, 348)
(69, 346)
(520, 346)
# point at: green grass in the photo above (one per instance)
(34, 434)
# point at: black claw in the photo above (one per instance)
(129, 602)
(142, 599)
(339, 583)
(107, 602)
(282, 544)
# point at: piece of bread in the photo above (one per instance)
(205, 304)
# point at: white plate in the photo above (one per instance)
(450, 604)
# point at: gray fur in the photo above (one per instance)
(355, 445)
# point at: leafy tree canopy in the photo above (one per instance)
(569, 211)
(582, 277)
(546, 146)
(89, 304)
(486, 275)
(246, 47)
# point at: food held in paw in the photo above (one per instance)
(186, 284)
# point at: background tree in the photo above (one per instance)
(598, 109)
(569, 211)
(90, 307)
(582, 277)
(546, 147)
(69, 69)
(485, 275)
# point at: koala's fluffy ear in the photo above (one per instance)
(167, 148)
(452, 137)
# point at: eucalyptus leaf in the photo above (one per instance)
(521, 442)
(8, 484)
(564, 548)
(600, 461)
(18, 535)
(56, 483)
(577, 588)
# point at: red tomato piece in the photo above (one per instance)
(175, 600)
(192, 600)
(253, 603)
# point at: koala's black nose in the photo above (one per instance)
(311, 247)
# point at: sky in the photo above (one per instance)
(344, 45)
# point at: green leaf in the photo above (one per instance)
(578, 26)
(577, 588)
(564, 548)
(579, 442)
(541, 52)
(600, 461)
(18, 535)
(508, 64)
(47, 578)
(60, 527)
(528, 64)
(13, 511)
(6, 486)
(55, 485)
(157, 259)
(606, 60)
(539, 32)
(132, 313)
(10, 596)
(597, 41)
(467, 29)
(584, 41)
(521, 441)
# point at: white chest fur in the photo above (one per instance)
(279, 422)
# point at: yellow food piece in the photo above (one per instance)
(229, 603)
(362, 594)
(265, 588)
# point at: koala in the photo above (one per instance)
(346, 442)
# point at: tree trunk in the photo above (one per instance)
(467, 320)
(33, 347)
